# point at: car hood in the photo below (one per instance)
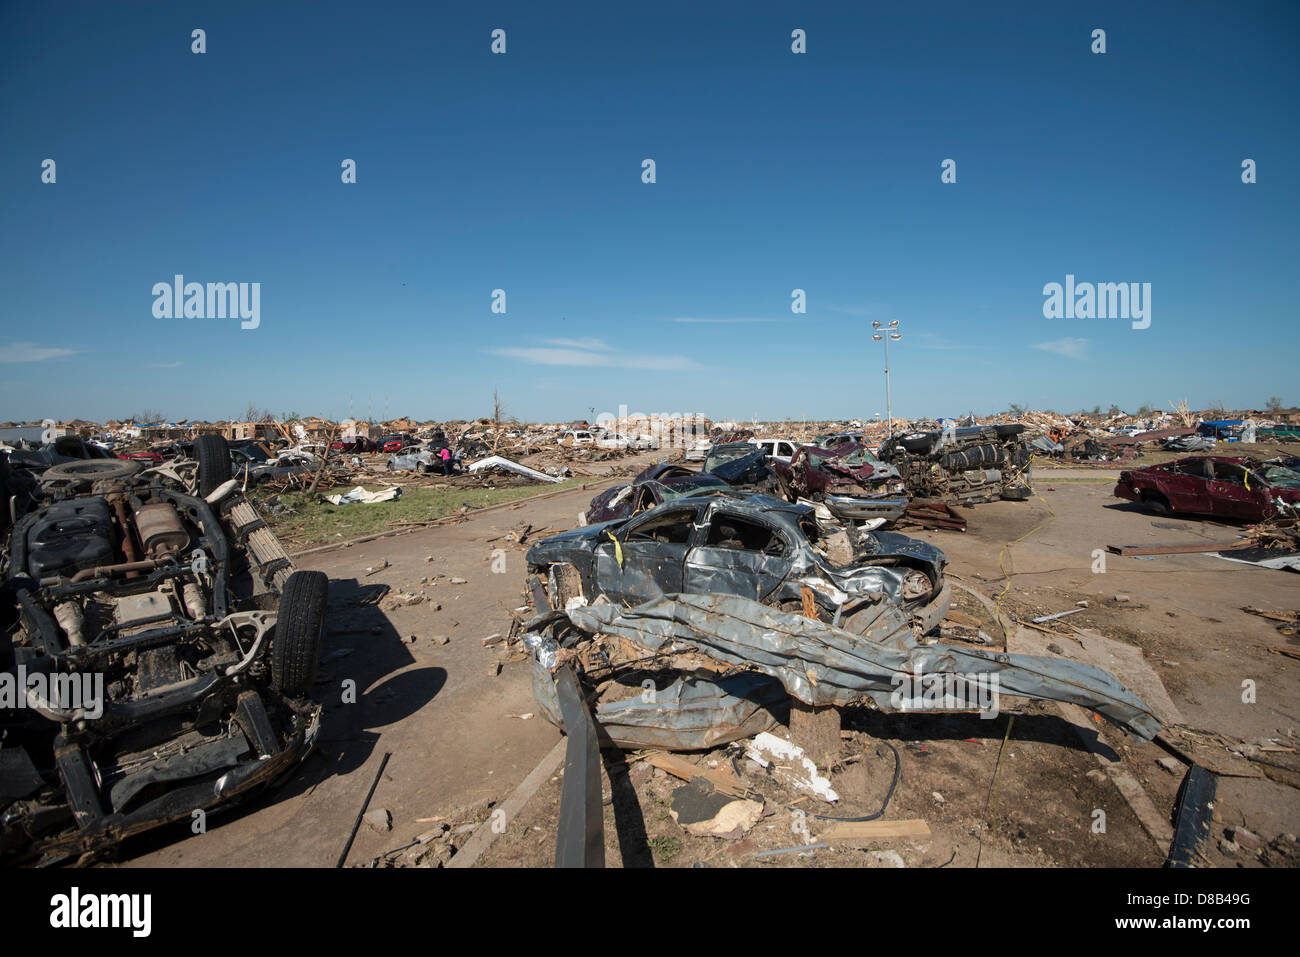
(891, 544)
(579, 536)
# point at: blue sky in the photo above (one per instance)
(522, 172)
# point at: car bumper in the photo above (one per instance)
(850, 507)
(934, 611)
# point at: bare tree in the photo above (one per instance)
(1275, 403)
(497, 410)
(1183, 411)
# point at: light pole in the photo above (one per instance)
(884, 335)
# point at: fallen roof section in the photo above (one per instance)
(500, 462)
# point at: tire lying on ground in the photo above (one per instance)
(295, 649)
(91, 470)
(917, 441)
(213, 455)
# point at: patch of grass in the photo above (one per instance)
(665, 848)
(314, 521)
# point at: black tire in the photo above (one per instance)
(1156, 503)
(92, 470)
(213, 455)
(917, 441)
(295, 649)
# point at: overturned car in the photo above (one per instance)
(981, 463)
(754, 546)
(156, 651)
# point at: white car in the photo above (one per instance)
(413, 458)
(780, 449)
(613, 440)
(578, 437)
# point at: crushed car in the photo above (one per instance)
(157, 648)
(653, 486)
(1233, 487)
(965, 465)
(852, 483)
(755, 546)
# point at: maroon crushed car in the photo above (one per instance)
(848, 478)
(1234, 487)
(144, 455)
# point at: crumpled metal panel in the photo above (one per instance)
(691, 714)
(823, 665)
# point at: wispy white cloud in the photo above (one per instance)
(31, 352)
(589, 342)
(1070, 348)
(606, 359)
(164, 365)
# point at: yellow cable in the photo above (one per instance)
(997, 601)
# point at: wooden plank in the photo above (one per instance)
(862, 830)
(484, 836)
(1153, 822)
(679, 767)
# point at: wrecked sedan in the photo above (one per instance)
(1233, 487)
(673, 482)
(848, 479)
(414, 458)
(156, 652)
(981, 463)
(754, 546)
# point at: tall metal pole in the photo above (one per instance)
(883, 334)
(889, 406)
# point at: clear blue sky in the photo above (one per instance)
(775, 171)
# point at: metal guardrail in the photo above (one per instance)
(580, 841)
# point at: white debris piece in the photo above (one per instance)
(792, 764)
(497, 461)
(359, 494)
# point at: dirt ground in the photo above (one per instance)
(462, 736)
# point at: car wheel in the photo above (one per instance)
(213, 455)
(565, 583)
(917, 441)
(295, 650)
(92, 470)
(1157, 503)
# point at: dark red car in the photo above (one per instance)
(1234, 487)
(144, 455)
(852, 482)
